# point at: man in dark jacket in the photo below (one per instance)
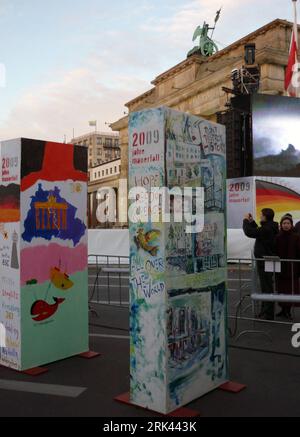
(297, 228)
(264, 246)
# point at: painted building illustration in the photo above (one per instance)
(51, 214)
(14, 255)
(187, 333)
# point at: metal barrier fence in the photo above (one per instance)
(108, 280)
(280, 286)
(109, 285)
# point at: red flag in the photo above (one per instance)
(292, 68)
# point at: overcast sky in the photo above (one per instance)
(71, 61)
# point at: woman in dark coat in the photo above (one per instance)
(287, 246)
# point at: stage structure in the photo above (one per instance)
(178, 279)
(238, 117)
(43, 252)
(238, 123)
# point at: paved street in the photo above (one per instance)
(79, 387)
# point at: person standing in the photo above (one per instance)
(264, 246)
(287, 247)
(297, 228)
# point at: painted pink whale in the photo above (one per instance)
(41, 310)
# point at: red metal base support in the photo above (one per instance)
(181, 412)
(232, 387)
(89, 355)
(36, 371)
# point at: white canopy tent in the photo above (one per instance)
(115, 242)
